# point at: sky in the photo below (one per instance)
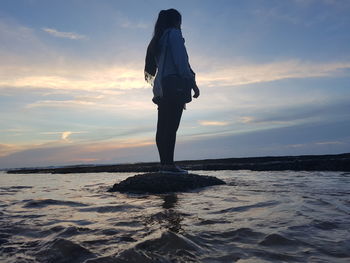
(274, 79)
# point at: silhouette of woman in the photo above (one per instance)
(167, 37)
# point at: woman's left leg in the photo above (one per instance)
(175, 113)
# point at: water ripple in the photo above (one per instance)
(41, 203)
(259, 217)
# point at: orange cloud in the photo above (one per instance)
(213, 123)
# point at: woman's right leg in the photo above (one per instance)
(161, 132)
(169, 116)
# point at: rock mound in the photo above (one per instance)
(158, 183)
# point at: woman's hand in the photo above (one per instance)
(196, 91)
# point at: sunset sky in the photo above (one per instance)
(274, 78)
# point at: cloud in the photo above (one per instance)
(213, 123)
(233, 75)
(65, 135)
(317, 144)
(246, 119)
(276, 14)
(269, 120)
(297, 12)
(59, 103)
(118, 104)
(73, 75)
(59, 154)
(125, 22)
(130, 25)
(13, 130)
(89, 76)
(329, 143)
(299, 145)
(32, 64)
(306, 3)
(19, 42)
(7, 149)
(69, 35)
(97, 139)
(307, 138)
(332, 109)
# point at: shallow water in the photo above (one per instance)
(258, 217)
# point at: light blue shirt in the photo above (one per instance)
(176, 61)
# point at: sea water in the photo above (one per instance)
(257, 217)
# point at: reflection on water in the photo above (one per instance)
(257, 217)
(173, 217)
(170, 200)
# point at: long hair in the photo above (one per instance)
(166, 19)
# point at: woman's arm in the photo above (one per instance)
(180, 57)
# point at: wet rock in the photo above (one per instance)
(158, 183)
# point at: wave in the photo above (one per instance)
(169, 247)
(40, 203)
(62, 250)
(109, 208)
(279, 240)
(246, 207)
(78, 221)
(13, 189)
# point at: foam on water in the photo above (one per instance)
(257, 217)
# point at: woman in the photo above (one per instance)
(166, 55)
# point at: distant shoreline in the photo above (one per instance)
(334, 162)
